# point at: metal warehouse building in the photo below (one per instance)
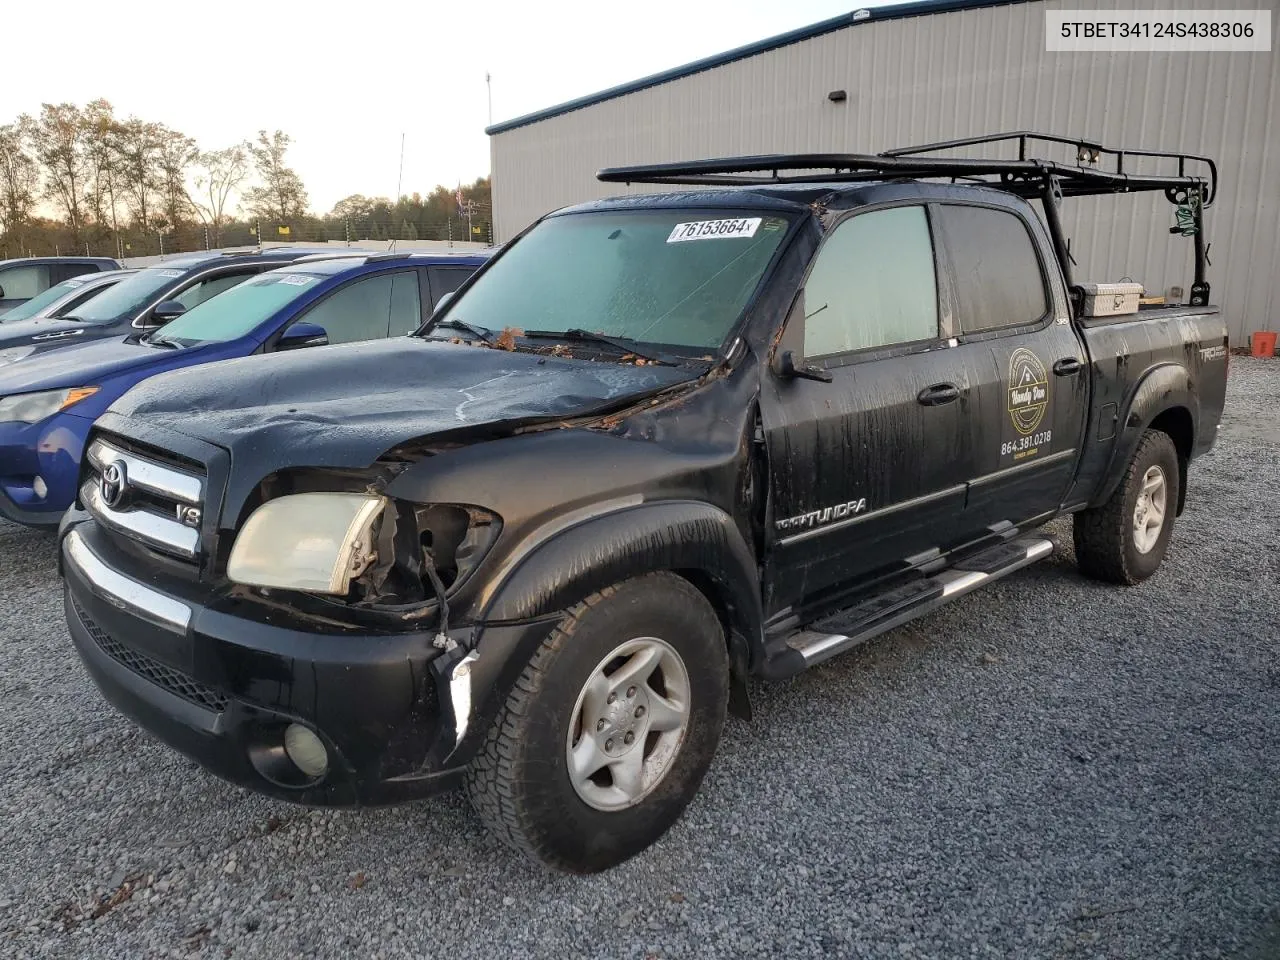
(947, 69)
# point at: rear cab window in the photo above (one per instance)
(999, 278)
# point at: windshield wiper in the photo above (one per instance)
(625, 344)
(151, 340)
(471, 328)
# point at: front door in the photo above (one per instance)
(869, 470)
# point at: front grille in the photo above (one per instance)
(162, 675)
(155, 500)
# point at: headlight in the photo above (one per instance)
(34, 407)
(15, 353)
(314, 542)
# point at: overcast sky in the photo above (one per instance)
(345, 80)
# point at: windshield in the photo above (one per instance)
(235, 312)
(37, 303)
(679, 278)
(127, 297)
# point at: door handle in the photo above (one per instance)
(938, 394)
(1067, 367)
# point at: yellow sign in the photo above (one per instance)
(283, 230)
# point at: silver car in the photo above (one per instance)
(64, 297)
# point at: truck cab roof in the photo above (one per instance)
(796, 197)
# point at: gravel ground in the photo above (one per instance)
(1049, 768)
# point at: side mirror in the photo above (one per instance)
(303, 334)
(167, 310)
(444, 298)
(788, 369)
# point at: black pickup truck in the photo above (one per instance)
(659, 445)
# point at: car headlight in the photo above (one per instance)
(313, 542)
(14, 354)
(34, 407)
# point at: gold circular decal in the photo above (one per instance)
(1028, 390)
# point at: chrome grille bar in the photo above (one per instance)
(152, 529)
(148, 475)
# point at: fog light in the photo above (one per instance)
(39, 487)
(305, 750)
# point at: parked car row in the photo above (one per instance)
(190, 311)
(654, 447)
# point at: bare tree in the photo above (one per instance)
(19, 179)
(218, 174)
(99, 122)
(281, 195)
(135, 145)
(175, 154)
(58, 138)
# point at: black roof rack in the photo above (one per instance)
(1098, 169)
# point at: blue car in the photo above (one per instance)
(48, 402)
(148, 299)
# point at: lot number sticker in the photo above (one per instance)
(714, 229)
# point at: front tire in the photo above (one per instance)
(608, 731)
(1125, 540)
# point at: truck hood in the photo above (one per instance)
(345, 406)
(74, 365)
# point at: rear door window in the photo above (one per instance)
(999, 280)
(66, 271)
(873, 284)
(447, 280)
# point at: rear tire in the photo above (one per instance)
(608, 731)
(1125, 539)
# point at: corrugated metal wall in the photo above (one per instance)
(941, 76)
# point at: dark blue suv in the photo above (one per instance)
(48, 402)
(146, 300)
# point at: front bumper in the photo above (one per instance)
(221, 688)
(50, 450)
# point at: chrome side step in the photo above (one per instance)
(848, 628)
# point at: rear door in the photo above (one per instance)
(1027, 360)
(869, 470)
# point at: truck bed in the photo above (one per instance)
(1158, 354)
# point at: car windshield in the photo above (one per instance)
(26, 311)
(235, 312)
(679, 278)
(127, 297)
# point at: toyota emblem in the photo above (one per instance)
(114, 484)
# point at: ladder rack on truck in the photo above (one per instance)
(1098, 170)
